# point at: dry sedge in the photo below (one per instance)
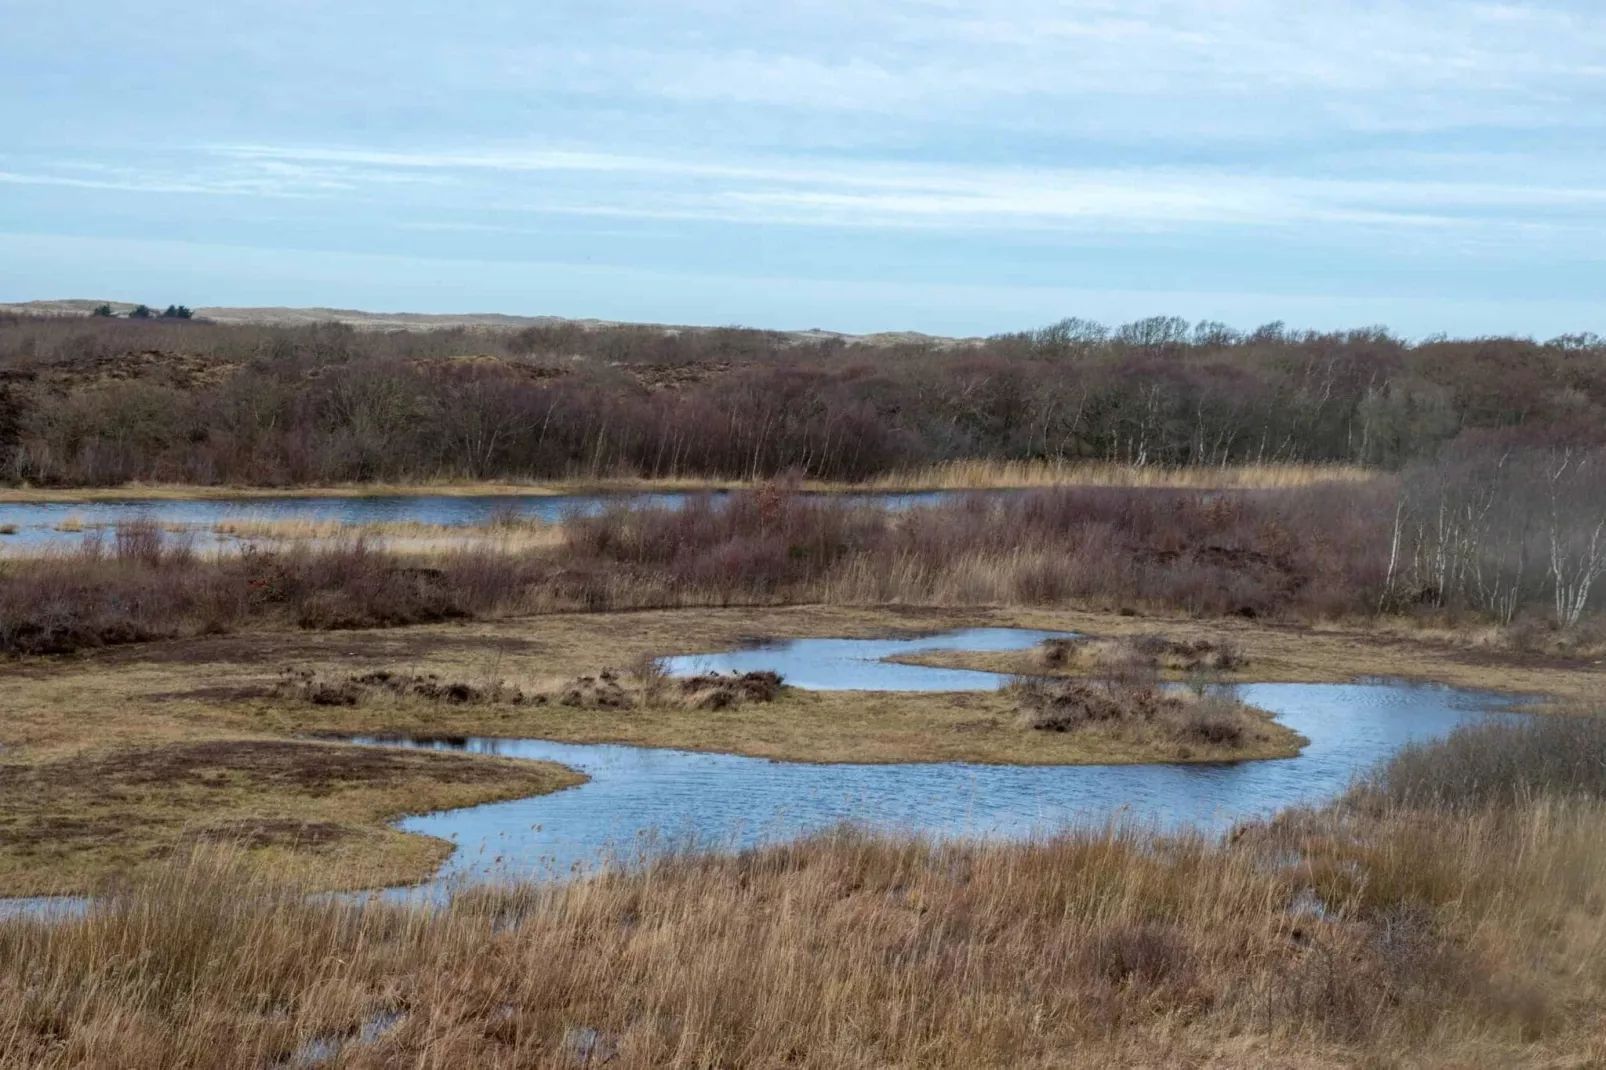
(990, 474)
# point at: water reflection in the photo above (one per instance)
(37, 523)
(858, 665)
(641, 800)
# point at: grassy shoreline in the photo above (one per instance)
(958, 476)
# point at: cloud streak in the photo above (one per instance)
(872, 193)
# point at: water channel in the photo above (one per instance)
(35, 526)
(642, 800)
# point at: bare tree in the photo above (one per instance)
(1577, 530)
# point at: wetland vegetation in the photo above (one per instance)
(1437, 928)
(1192, 510)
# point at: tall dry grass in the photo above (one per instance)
(143, 584)
(505, 534)
(1422, 936)
(986, 473)
(1303, 554)
(1311, 552)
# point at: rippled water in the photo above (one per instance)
(644, 799)
(37, 523)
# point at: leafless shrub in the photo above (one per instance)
(600, 692)
(651, 677)
(1214, 722)
(357, 688)
(714, 691)
(1496, 764)
(1059, 705)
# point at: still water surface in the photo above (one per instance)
(37, 524)
(640, 800)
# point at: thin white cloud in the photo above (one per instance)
(1454, 61)
(874, 193)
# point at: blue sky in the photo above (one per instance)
(954, 166)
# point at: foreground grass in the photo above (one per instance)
(1462, 932)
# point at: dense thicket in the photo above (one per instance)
(1515, 538)
(102, 401)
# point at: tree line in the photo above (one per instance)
(96, 401)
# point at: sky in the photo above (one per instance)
(950, 166)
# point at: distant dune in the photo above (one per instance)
(416, 321)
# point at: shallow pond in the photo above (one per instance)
(859, 665)
(38, 524)
(640, 800)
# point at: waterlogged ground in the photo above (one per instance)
(37, 526)
(642, 800)
(948, 762)
(861, 665)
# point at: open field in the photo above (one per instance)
(317, 809)
(1460, 929)
(178, 702)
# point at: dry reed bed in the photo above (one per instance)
(1304, 554)
(963, 475)
(986, 474)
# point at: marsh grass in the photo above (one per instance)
(507, 531)
(143, 584)
(1501, 764)
(986, 474)
(1133, 707)
(1437, 938)
(1309, 554)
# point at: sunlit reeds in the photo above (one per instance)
(984, 474)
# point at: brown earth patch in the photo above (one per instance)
(279, 647)
(260, 832)
(220, 693)
(31, 831)
(309, 767)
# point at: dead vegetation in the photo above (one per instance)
(604, 690)
(1305, 555)
(311, 686)
(1433, 936)
(1123, 655)
(1215, 720)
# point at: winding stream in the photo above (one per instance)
(643, 800)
